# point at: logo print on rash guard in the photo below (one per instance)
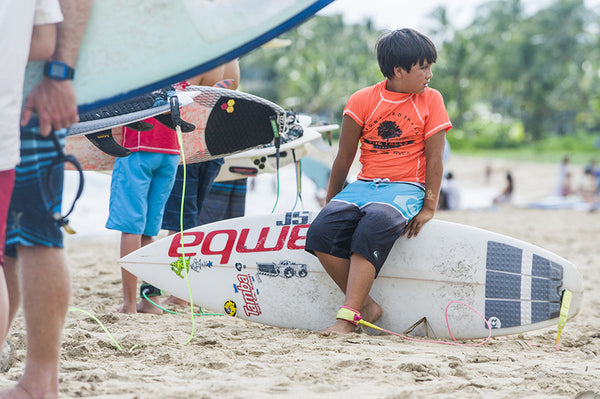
(388, 130)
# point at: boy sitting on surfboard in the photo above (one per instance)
(401, 125)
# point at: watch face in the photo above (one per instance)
(57, 71)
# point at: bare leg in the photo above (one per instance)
(144, 306)
(172, 298)
(129, 243)
(4, 320)
(355, 278)
(11, 274)
(46, 291)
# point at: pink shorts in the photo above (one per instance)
(7, 182)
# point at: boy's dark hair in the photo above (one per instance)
(403, 48)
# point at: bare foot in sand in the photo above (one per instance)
(371, 312)
(128, 309)
(144, 306)
(340, 327)
(16, 393)
(176, 301)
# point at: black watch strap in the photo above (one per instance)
(58, 70)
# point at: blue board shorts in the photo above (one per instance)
(140, 186)
(36, 195)
(199, 180)
(367, 218)
(225, 200)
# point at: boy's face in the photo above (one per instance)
(417, 79)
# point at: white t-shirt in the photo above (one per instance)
(17, 18)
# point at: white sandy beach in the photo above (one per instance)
(232, 358)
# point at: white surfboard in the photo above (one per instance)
(136, 46)
(264, 160)
(256, 268)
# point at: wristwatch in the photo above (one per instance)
(58, 70)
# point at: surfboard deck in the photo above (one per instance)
(226, 122)
(264, 159)
(134, 47)
(256, 268)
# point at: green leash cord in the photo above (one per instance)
(174, 102)
(72, 309)
(202, 313)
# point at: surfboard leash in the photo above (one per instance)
(564, 313)
(202, 313)
(277, 144)
(298, 169)
(176, 118)
(50, 200)
(354, 317)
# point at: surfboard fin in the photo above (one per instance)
(106, 143)
(140, 126)
(422, 321)
(166, 120)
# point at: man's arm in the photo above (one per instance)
(231, 70)
(43, 42)
(54, 100)
(208, 78)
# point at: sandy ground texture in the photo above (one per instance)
(232, 358)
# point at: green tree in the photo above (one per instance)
(326, 62)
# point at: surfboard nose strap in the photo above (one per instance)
(349, 314)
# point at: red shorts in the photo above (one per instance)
(7, 182)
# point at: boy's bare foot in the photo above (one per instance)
(340, 327)
(15, 393)
(144, 306)
(127, 309)
(176, 301)
(371, 311)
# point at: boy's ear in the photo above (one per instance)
(399, 72)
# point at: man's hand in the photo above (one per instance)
(55, 103)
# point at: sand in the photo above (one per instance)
(232, 358)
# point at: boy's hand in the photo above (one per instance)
(415, 224)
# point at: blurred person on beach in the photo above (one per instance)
(401, 125)
(487, 174)
(35, 265)
(449, 193)
(563, 174)
(589, 187)
(566, 188)
(505, 196)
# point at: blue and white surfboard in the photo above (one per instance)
(133, 47)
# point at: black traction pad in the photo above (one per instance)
(236, 124)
